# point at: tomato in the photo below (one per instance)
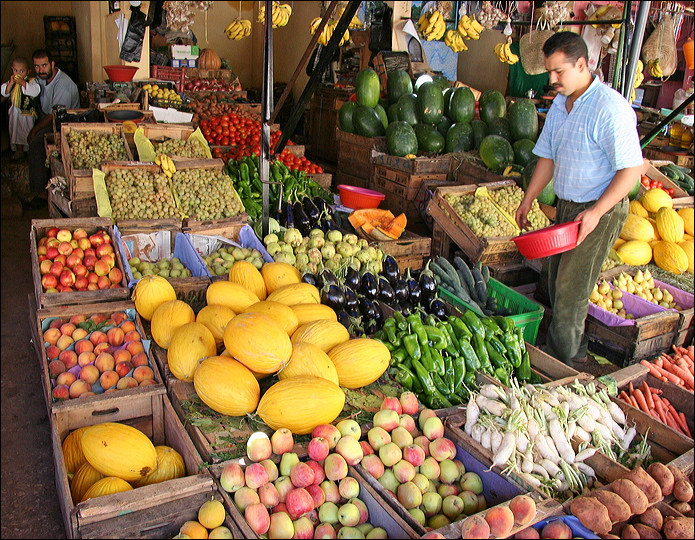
(224, 141)
(670, 191)
(225, 117)
(645, 181)
(654, 184)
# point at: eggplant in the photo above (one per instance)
(379, 315)
(310, 210)
(428, 282)
(400, 288)
(321, 205)
(328, 277)
(326, 222)
(437, 308)
(333, 296)
(406, 307)
(353, 311)
(287, 215)
(413, 289)
(395, 305)
(367, 308)
(310, 278)
(386, 292)
(352, 277)
(370, 327)
(369, 286)
(351, 299)
(390, 268)
(301, 220)
(343, 318)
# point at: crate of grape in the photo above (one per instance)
(166, 252)
(85, 146)
(182, 141)
(475, 223)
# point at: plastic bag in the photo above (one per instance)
(131, 50)
(380, 36)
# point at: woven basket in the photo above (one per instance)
(661, 44)
(531, 51)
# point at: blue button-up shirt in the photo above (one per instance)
(591, 143)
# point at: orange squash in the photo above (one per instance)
(372, 215)
(395, 227)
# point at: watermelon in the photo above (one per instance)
(345, 116)
(392, 112)
(367, 87)
(401, 139)
(547, 196)
(523, 119)
(442, 81)
(382, 114)
(420, 80)
(497, 153)
(492, 105)
(523, 152)
(479, 132)
(397, 84)
(444, 125)
(459, 138)
(429, 140)
(634, 191)
(462, 105)
(406, 108)
(367, 122)
(430, 103)
(500, 126)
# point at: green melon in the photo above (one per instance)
(367, 122)
(523, 152)
(547, 196)
(407, 109)
(523, 119)
(429, 140)
(382, 114)
(420, 80)
(430, 103)
(397, 84)
(444, 125)
(345, 116)
(501, 127)
(442, 81)
(479, 132)
(497, 153)
(459, 138)
(401, 139)
(462, 105)
(492, 105)
(447, 99)
(392, 112)
(367, 87)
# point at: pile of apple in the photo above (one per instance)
(314, 498)
(89, 356)
(210, 523)
(419, 467)
(77, 261)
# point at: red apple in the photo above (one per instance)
(67, 278)
(101, 268)
(92, 278)
(103, 249)
(116, 276)
(106, 237)
(73, 260)
(97, 238)
(89, 251)
(60, 258)
(45, 266)
(92, 287)
(89, 261)
(79, 233)
(84, 243)
(53, 231)
(65, 288)
(109, 258)
(103, 282)
(49, 281)
(74, 243)
(79, 252)
(64, 248)
(80, 270)
(81, 283)
(41, 250)
(52, 242)
(64, 235)
(42, 241)
(52, 252)
(56, 268)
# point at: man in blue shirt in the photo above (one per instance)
(590, 145)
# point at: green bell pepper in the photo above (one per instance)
(412, 346)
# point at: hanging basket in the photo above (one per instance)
(531, 51)
(661, 45)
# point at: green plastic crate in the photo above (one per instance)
(526, 313)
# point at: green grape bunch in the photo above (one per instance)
(140, 194)
(481, 216)
(510, 197)
(89, 148)
(206, 193)
(190, 147)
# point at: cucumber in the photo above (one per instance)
(465, 272)
(480, 286)
(446, 266)
(680, 174)
(486, 274)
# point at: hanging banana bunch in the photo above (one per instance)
(432, 27)
(504, 53)
(469, 27)
(639, 78)
(238, 29)
(455, 41)
(654, 67)
(281, 14)
(327, 32)
(354, 23)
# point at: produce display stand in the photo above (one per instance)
(440, 164)
(39, 228)
(142, 512)
(60, 206)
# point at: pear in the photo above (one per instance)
(594, 297)
(629, 316)
(631, 287)
(675, 306)
(657, 294)
(639, 276)
(668, 297)
(618, 304)
(608, 301)
(604, 288)
(650, 282)
(663, 304)
(647, 274)
(617, 293)
(622, 313)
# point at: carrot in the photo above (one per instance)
(652, 368)
(669, 376)
(624, 396)
(665, 401)
(683, 374)
(655, 390)
(684, 423)
(671, 422)
(632, 389)
(647, 394)
(641, 401)
(677, 417)
(659, 362)
(660, 409)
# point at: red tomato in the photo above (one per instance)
(645, 181)
(670, 191)
(654, 184)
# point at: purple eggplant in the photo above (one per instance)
(352, 277)
(390, 268)
(333, 296)
(369, 286)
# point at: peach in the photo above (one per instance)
(414, 454)
(447, 489)
(79, 334)
(90, 374)
(121, 355)
(147, 382)
(268, 494)
(330, 489)
(366, 448)
(66, 379)
(317, 494)
(401, 437)
(232, 477)
(424, 415)
(424, 443)
(348, 487)
(392, 403)
(433, 428)
(299, 502)
(442, 448)
(98, 318)
(108, 379)
(134, 346)
(387, 419)
(51, 335)
(501, 521)
(255, 475)
(105, 362)
(52, 352)
(256, 515)
(390, 454)
(131, 336)
(115, 336)
(475, 527)
(97, 337)
(64, 342)
(528, 533)
(524, 509)
(335, 466)
(378, 437)
(87, 357)
(141, 373)
(329, 432)
(409, 495)
(281, 525)
(118, 317)
(68, 357)
(408, 422)
(128, 325)
(79, 387)
(61, 392)
(319, 473)
(83, 345)
(259, 447)
(350, 449)
(123, 368)
(301, 475)
(373, 465)
(126, 382)
(284, 485)
(556, 529)
(281, 441)
(140, 359)
(324, 530)
(303, 528)
(55, 368)
(318, 448)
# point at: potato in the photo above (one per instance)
(663, 476)
(684, 508)
(618, 509)
(683, 490)
(631, 494)
(679, 528)
(646, 532)
(629, 532)
(646, 483)
(592, 514)
(609, 537)
(652, 518)
(677, 473)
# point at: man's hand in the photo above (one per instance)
(522, 214)
(589, 219)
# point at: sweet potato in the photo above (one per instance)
(683, 490)
(677, 473)
(652, 518)
(646, 483)
(631, 494)
(630, 533)
(679, 528)
(663, 476)
(618, 509)
(684, 508)
(592, 514)
(647, 533)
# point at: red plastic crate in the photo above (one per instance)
(166, 73)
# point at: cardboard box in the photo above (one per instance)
(189, 63)
(184, 52)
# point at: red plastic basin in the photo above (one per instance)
(120, 73)
(356, 198)
(548, 241)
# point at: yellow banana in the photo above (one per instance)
(172, 167)
(157, 160)
(476, 25)
(314, 25)
(511, 57)
(422, 22)
(472, 33)
(355, 23)
(599, 13)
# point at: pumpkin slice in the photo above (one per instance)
(358, 217)
(395, 227)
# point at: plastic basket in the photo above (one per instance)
(526, 313)
(166, 73)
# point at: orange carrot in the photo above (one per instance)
(669, 376)
(683, 374)
(632, 389)
(671, 422)
(624, 396)
(641, 401)
(665, 401)
(659, 362)
(653, 369)
(655, 390)
(660, 409)
(684, 423)
(677, 417)
(647, 394)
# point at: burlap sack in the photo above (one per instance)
(531, 51)
(661, 44)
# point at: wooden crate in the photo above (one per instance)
(37, 318)
(410, 250)
(423, 196)
(39, 228)
(145, 512)
(492, 250)
(60, 206)
(442, 245)
(159, 132)
(655, 153)
(355, 154)
(342, 177)
(467, 168)
(421, 165)
(324, 180)
(80, 184)
(655, 174)
(226, 75)
(323, 121)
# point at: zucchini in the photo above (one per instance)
(465, 272)
(464, 285)
(680, 174)
(480, 286)
(446, 266)
(442, 274)
(486, 274)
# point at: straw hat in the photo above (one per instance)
(531, 51)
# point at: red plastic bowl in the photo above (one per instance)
(355, 197)
(548, 241)
(120, 73)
